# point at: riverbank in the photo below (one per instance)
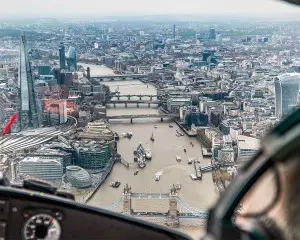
(99, 178)
(184, 130)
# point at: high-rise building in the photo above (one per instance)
(212, 34)
(62, 57)
(174, 32)
(71, 59)
(286, 93)
(27, 108)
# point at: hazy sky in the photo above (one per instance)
(115, 7)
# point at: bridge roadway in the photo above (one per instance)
(143, 116)
(120, 77)
(116, 94)
(133, 101)
(150, 195)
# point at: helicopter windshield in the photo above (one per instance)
(148, 108)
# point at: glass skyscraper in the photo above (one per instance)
(27, 108)
(286, 93)
(71, 59)
(62, 57)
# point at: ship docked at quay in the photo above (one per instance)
(140, 156)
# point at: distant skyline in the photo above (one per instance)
(46, 8)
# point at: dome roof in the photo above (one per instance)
(78, 177)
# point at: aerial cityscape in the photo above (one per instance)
(150, 118)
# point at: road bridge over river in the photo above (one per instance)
(179, 213)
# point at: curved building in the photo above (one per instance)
(71, 59)
(286, 93)
(78, 177)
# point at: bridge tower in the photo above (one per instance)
(173, 213)
(127, 199)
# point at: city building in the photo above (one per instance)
(62, 56)
(98, 130)
(247, 147)
(56, 110)
(77, 177)
(27, 107)
(71, 59)
(44, 70)
(47, 169)
(64, 156)
(212, 34)
(174, 104)
(286, 93)
(92, 155)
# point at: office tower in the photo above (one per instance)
(62, 57)
(71, 59)
(88, 73)
(286, 93)
(47, 169)
(27, 108)
(212, 34)
(174, 31)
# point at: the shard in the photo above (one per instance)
(27, 107)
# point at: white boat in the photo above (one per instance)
(193, 177)
(157, 177)
(190, 161)
(148, 153)
(178, 158)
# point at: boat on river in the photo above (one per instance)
(148, 153)
(115, 184)
(152, 138)
(157, 177)
(141, 160)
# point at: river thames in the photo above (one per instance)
(197, 194)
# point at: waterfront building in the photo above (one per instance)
(223, 151)
(47, 169)
(286, 93)
(247, 147)
(92, 155)
(27, 107)
(71, 59)
(62, 56)
(98, 130)
(174, 104)
(77, 177)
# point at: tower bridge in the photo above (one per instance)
(178, 212)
